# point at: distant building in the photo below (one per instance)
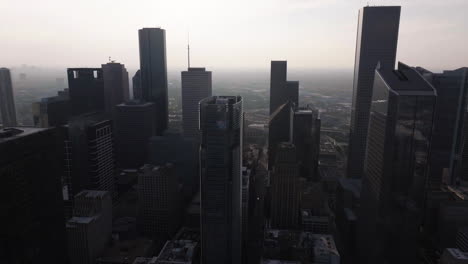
(377, 38)
(116, 86)
(89, 230)
(52, 111)
(306, 138)
(315, 221)
(196, 85)
(394, 189)
(32, 229)
(280, 129)
(281, 90)
(136, 81)
(221, 120)
(89, 155)
(134, 127)
(158, 201)
(7, 101)
(86, 87)
(153, 72)
(285, 188)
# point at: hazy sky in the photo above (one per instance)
(224, 34)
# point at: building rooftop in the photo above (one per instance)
(80, 220)
(406, 80)
(221, 100)
(91, 194)
(13, 133)
(182, 249)
(126, 251)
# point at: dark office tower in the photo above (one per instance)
(86, 87)
(196, 85)
(136, 81)
(154, 73)
(33, 227)
(7, 102)
(90, 155)
(306, 138)
(285, 187)
(173, 148)
(280, 129)
(116, 84)
(392, 197)
(134, 127)
(292, 92)
(89, 230)
(281, 90)
(447, 137)
(376, 41)
(52, 111)
(221, 119)
(158, 201)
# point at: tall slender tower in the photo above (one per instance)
(376, 42)
(221, 119)
(396, 168)
(7, 102)
(153, 70)
(196, 85)
(281, 90)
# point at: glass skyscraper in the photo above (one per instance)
(153, 71)
(396, 166)
(377, 38)
(221, 119)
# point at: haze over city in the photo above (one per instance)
(317, 34)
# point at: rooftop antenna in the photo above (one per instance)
(188, 49)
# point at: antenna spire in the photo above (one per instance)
(188, 49)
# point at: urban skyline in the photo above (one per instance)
(177, 172)
(331, 23)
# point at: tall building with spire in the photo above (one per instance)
(153, 71)
(7, 102)
(221, 119)
(377, 38)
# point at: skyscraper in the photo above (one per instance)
(447, 138)
(86, 88)
(281, 90)
(7, 102)
(196, 85)
(306, 138)
(52, 111)
(396, 167)
(221, 119)
(136, 81)
(33, 228)
(153, 70)
(116, 86)
(280, 129)
(89, 230)
(134, 127)
(285, 188)
(376, 41)
(91, 154)
(158, 201)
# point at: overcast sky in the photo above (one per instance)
(316, 34)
